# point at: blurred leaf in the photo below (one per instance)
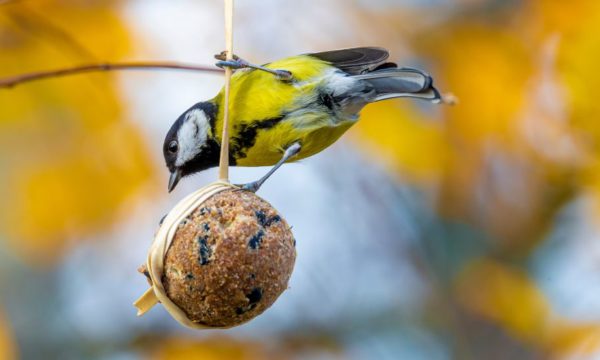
(578, 51)
(71, 159)
(8, 349)
(216, 348)
(397, 133)
(505, 296)
(574, 340)
(508, 297)
(487, 68)
(505, 161)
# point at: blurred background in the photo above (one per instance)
(427, 232)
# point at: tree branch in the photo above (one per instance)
(13, 81)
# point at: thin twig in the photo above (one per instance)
(13, 81)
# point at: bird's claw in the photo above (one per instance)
(223, 56)
(233, 64)
(237, 63)
(284, 75)
(251, 186)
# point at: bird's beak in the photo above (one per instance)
(174, 179)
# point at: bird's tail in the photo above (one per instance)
(392, 83)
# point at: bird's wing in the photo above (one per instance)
(356, 60)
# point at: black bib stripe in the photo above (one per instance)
(247, 134)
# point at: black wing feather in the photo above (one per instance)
(356, 60)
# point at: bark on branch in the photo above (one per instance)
(13, 81)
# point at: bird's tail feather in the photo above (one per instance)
(401, 82)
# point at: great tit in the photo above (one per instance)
(289, 109)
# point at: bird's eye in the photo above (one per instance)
(173, 147)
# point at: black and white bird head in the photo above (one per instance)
(190, 145)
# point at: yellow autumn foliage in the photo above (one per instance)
(409, 141)
(510, 299)
(8, 349)
(526, 75)
(70, 157)
(506, 296)
(214, 348)
(577, 64)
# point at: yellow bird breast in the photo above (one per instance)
(267, 114)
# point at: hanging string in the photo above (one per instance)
(155, 263)
(166, 232)
(224, 160)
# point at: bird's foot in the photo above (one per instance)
(251, 186)
(290, 152)
(238, 63)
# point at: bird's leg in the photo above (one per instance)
(292, 150)
(238, 63)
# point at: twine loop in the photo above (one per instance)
(166, 232)
(162, 241)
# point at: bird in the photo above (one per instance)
(289, 109)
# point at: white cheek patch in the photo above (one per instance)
(192, 136)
